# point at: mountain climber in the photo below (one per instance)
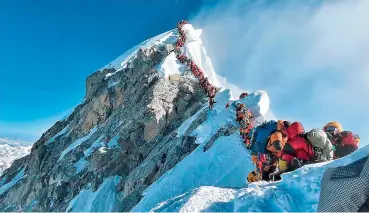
(181, 23)
(322, 146)
(211, 103)
(195, 72)
(268, 167)
(213, 92)
(243, 95)
(239, 114)
(287, 147)
(181, 58)
(266, 162)
(245, 123)
(305, 148)
(192, 66)
(283, 146)
(201, 77)
(344, 142)
(261, 134)
(248, 138)
(297, 150)
(184, 38)
(179, 43)
(204, 84)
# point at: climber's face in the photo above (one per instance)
(332, 130)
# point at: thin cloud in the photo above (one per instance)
(311, 56)
(14, 142)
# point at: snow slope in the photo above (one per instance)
(303, 184)
(194, 200)
(103, 200)
(197, 52)
(220, 166)
(121, 62)
(10, 153)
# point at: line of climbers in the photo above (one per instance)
(281, 146)
(243, 117)
(209, 89)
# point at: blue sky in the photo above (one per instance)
(48, 48)
(311, 56)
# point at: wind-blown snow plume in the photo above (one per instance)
(304, 53)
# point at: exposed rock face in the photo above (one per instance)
(125, 127)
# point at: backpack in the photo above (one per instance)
(295, 129)
(323, 148)
(349, 138)
(298, 147)
(261, 135)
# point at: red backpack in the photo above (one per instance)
(348, 138)
(295, 129)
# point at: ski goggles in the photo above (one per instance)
(330, 128)
(333, 130)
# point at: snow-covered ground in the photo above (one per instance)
(10, 153)
(121, 62)
(104, 199)
(215, 181)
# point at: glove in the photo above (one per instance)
(296, 163)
